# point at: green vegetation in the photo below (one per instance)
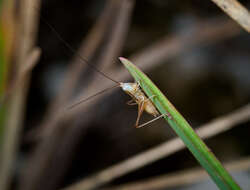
(182, 128)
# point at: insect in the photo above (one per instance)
(138, 97)
(132, 89)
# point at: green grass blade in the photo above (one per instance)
(182, 128)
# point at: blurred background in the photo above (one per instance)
(195, 53)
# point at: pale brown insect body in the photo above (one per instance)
(138, 96)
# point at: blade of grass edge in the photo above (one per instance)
(182, 128)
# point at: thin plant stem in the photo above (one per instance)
(180, 178)
(215, 127)
(236, 11)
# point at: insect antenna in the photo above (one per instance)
(66, 44)
(90, 97)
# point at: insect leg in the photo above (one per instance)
(144, 124)
(131, 102)
(140, 110)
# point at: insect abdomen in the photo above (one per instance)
(148, 105)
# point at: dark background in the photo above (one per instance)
(203, 82)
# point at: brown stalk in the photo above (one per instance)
(236, 11)
(27, 27)
(121, 10)
(87, 50)
(111, 49)
(182, 178)
(30, 63)
(117, 36)
(215, 127)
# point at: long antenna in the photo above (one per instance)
(74, 51)
(84, 100)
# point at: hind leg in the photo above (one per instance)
(140, 111)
